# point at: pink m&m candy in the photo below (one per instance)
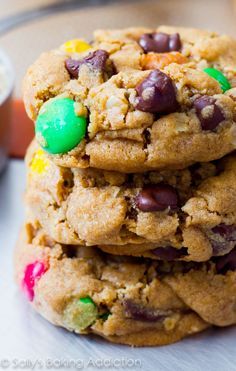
(33, 272)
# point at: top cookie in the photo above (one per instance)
(135, 99)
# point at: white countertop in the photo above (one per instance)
(26, 337)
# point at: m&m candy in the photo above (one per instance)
(75, 46)
(39, 163)
(80, 313)
(217, 75)
(58, 128)
(33, 272)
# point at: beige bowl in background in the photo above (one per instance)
(6, 88)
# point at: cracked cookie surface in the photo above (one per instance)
(133, 123)
(126, 300)
(183, 214)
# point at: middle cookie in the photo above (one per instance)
(183, 214)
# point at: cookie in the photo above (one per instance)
(135, 99)
(201, 48)
(183, 214)
(126, 300)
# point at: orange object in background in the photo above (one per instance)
(22, 130)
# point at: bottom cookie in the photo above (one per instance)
(132, 301)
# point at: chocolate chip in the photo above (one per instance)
(156, 94)
(139, 313)
(157, 198)
(226, 231)
(170, 253)
(227, 235)
(73, 66)
(209, 114)
(160, 42)
(97, 60)
(220, 247)
(226, 263)
(175, 42)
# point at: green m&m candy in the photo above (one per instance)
(58, 129)
(80, 313)
(217, 75)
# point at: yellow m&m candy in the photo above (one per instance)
(75, 46)
(39, 163)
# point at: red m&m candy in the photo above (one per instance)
(33, 273)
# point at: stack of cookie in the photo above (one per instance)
(131, 185)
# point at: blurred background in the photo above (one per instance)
(29, 27)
